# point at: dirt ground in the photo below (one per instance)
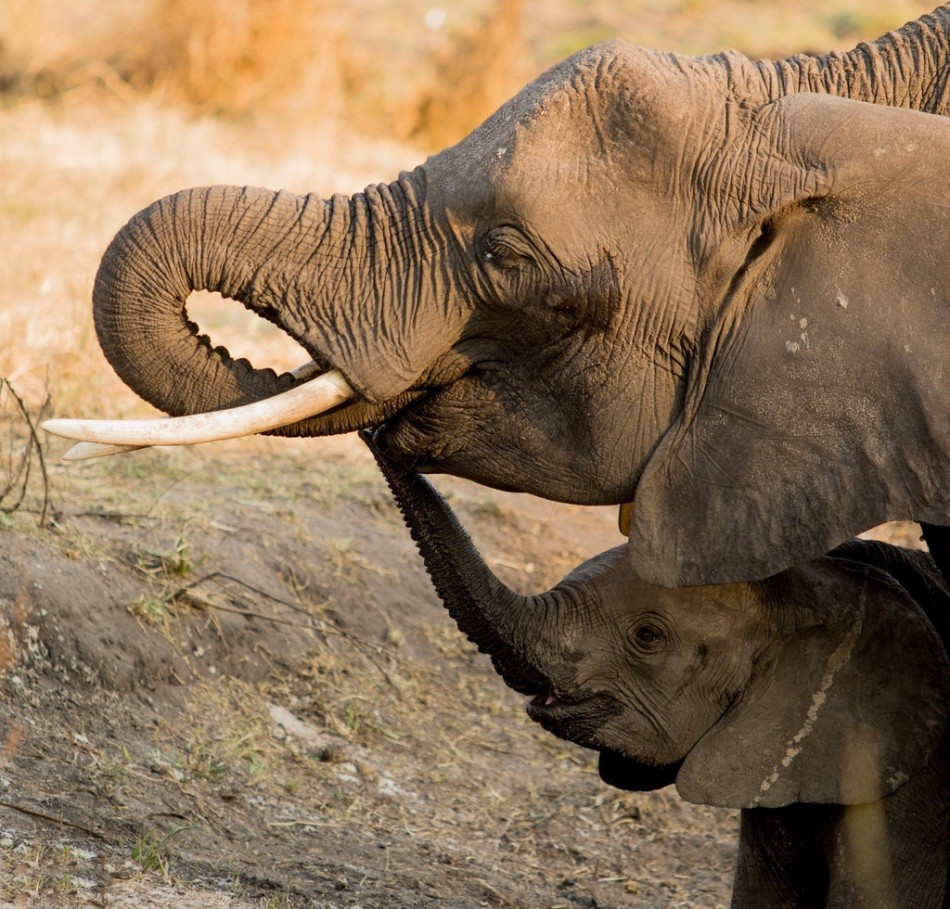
(227, 681)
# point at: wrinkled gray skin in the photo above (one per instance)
(705, 285)
(823, 687)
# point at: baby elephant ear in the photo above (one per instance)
(849, 703)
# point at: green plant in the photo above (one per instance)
(179, 561)
(212, 758)
(278, 901)
(352, 718)
(205, 762)
(150, 852)
(153, 610)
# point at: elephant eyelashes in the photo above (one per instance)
(504, 247)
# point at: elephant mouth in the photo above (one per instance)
(622, 772)
(578, 720)
(427, 427)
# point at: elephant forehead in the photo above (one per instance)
(506, 166)
(708, 614)
(720, 611)
(605, 112)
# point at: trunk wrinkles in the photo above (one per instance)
(143, 282)
(363, 296)
(323, 271)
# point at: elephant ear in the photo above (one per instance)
(848, 703)
(820, 405)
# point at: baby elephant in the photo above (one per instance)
(815, 700)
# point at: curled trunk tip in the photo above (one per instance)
(178, 244)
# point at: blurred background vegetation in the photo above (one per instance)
(106, 105)
(408, 70)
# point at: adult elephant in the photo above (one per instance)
(693, 284)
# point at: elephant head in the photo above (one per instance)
(825, 683)
(690, 284)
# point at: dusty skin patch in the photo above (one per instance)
(793, 746)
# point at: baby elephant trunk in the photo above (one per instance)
(500, 622)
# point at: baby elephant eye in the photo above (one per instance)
(647, 637)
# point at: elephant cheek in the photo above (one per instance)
(464, 431)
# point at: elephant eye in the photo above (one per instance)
(646, 637)
(504, 247)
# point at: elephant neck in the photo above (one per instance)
(906, 68)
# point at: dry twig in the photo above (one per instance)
(32, 812)
(18, 473)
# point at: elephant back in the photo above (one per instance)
(915, 571)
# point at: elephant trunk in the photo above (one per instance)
(342, 277)
(505, 625)
(907, 68)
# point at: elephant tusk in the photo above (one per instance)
(83, 451)
(624, 517)
(308, 370)
(99, 438)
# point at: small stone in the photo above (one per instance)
(366, 771)
(332, 754)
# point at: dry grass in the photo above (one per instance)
(473, 72)
(214, 55)
(283, 62)
(233, 55)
